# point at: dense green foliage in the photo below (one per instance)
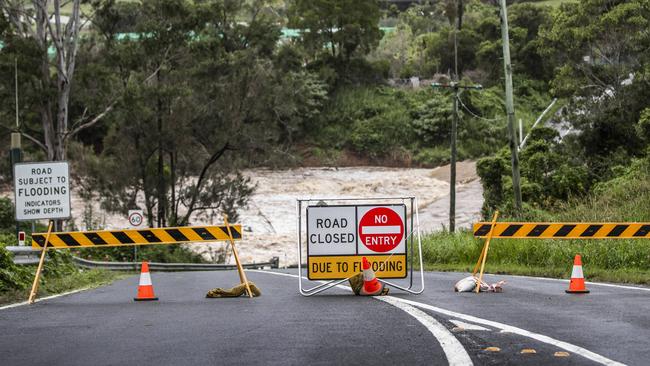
(385, 125)
(598, 53)
(171, 99)
(625, 198)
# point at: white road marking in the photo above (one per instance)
(44, 298)
(503, 327)
(467, 326)
(454, 350)
(587, 282)
(522, 332)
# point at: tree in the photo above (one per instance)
(599, 49)
(345, 28)
(202, 91)
(42, 26)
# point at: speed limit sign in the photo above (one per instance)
(136, 217)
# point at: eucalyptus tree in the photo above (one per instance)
(203, 94)
(55, 38)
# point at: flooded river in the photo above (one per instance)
(270, 219)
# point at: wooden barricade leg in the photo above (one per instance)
(39, 269)
(240, 269)
(485, 252)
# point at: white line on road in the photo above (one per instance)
(636, 288)
(44, 298)
(508, 328)
(503, 327)
(454, 350)
(467, 326)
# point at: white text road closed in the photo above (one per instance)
(42, 191)
(338, 236)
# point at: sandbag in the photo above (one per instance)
(468, 284)
(356, 284)
(234, 292)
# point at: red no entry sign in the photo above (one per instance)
(381, 229)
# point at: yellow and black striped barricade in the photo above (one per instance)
(554, 230)
(562, 230)
(152, 236)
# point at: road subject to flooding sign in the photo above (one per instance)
(42, 190)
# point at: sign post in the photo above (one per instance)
(136, 218)
(37, 275)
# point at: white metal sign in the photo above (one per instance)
(136, 218)
(42, 190)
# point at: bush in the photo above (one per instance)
(431, 121)
(491, 170)
(12, 277)
(7, 220)
(432, 157)
(378, 136)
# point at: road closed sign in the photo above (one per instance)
(42, 191)
(339, 236)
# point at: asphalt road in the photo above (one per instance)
(439, 327)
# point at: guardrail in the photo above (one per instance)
(171, 267)
(26, 256)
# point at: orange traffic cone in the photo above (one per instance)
(577, 284)
(145, 288)
(371, 286)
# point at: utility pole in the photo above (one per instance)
(454, 123)
(456, 87)
(510, 109)
(452, 162)
(15, 154)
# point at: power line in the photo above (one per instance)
(476, 115)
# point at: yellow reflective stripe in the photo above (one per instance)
(109, 238)
(135, 236)
(191, 234)
(164, 237)
(218, 233)
(81, 239)
(56, 242)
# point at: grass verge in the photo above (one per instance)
(56, 285)
(621, 261)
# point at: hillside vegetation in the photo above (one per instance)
(622, 199)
